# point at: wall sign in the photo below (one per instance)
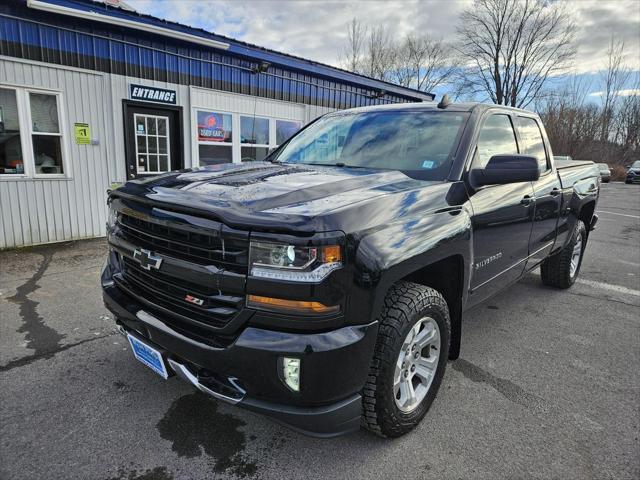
(152, 94)
(83, 133)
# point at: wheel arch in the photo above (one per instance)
(447, 277)
(586, 213)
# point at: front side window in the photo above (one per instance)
(533, 142)
(497, 137)
(11, 157)
(412, 141)
(45, 133)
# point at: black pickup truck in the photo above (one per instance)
(326, 287)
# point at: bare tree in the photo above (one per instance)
(423, 63)
(512, 47)
(353, 53)
(417, 61)
(379, 54)
(614, 78)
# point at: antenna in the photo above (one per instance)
(445, 102)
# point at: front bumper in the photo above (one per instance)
(246, 372)
(633, 179)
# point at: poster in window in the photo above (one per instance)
(214, 127)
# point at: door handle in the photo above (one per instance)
(527, 200)
(555, 192)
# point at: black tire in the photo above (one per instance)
(628, 182)
(556, 270)
(405, 304)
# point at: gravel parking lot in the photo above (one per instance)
(547, 386)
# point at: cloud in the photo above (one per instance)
(317, 29)
(628, 92)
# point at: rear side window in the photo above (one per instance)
(496, 138)
(533, 142)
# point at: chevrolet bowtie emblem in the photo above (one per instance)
(147, 259)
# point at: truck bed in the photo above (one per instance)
(564, 164)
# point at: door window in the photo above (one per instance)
(152, 144)
(533, 142)
(497, 137)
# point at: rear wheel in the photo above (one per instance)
(409, 359)
(561, 270)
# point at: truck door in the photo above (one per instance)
(502, 216)
(547, 191)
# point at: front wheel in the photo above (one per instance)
(561, 270)
(409, 359)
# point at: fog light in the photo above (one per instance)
(291, 373)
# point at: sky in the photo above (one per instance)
(317, 30)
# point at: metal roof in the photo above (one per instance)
(98, 11)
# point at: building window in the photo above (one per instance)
(45, 133)
(215, 137)
(11, 157)
(31, 133)
(222, 137)
(254, 138)
(285, 129)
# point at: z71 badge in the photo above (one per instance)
(192, 299)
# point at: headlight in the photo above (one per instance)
(112, 217)
(293, 263)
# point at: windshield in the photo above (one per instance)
(420, 142)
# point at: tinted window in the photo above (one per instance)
(496, 138)
(416, 141)
(533, 142)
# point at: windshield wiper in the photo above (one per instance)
(337, 164)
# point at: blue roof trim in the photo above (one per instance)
(77, 46)
(242, 49)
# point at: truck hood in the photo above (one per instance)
(276, 197)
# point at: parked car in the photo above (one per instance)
(605, 173)
(633, 174)
(325, 287)
(562, 158)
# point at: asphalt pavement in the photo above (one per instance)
(547, 386)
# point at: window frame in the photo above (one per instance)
(268, 146)
(196, 142)
(236, 125)
(157, 136)
(475, 158)
(25, 123)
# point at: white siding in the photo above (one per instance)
(36, 211)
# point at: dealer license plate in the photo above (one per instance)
(151, 357)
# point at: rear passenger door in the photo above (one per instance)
(502, 215)
(547, 191)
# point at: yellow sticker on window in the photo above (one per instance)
(83, 133)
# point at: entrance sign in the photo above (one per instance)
(152, 94)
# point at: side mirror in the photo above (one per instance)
(503, 169)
